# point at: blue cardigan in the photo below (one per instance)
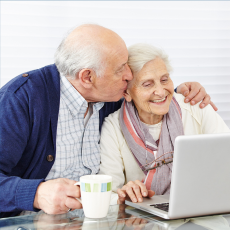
(29, 106)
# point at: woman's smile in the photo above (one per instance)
(159, 101)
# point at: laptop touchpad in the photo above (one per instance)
(157, 199)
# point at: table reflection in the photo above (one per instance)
(119, 217)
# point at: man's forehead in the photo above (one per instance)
(118, 49)
(118, 57)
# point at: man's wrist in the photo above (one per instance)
(25, 193)
(36, 197)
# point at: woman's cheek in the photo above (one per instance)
(146, 107)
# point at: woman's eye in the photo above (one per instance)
(146, 84)
(165, 80)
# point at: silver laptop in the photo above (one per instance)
(155, 222)
(200, 183)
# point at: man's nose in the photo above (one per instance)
(128, 76)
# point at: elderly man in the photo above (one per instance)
(50, 121)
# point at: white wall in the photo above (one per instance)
(196, 35)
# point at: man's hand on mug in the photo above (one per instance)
(135, 190)
(194, 92)
(57, 196)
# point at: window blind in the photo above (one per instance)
(196, 35)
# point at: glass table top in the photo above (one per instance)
(119, 217)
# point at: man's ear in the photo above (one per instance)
(127, 96)
(86, 77)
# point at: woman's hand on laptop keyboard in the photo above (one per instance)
(135, 190)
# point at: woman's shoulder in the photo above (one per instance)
(179, 98)
(111, 132)
(112, 121)
(205, 120)
(189, 110)
(113, 117)
(185, 106)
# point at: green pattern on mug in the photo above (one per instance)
(87, 187)
(109, 186)
(96, 188)
(105, 187)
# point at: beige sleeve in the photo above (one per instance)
(111, 158)
(210, 120)
(200, 121)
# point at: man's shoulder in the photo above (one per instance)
(36, 77)
(114, 116)
(110, 107)
(113, 106)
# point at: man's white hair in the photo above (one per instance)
(140, 54)
(77, 53)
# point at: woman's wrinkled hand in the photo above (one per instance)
(135, 190)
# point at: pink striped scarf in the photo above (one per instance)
(139, 140)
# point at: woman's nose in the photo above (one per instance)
(160, 91)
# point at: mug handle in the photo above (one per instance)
(78, 183)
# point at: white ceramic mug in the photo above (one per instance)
(95, 195)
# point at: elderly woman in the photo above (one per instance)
(145, 127)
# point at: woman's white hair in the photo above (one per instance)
(140, 54)
(77, 53)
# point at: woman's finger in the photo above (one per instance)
(121, 193)
(137, 191)
(132, 195)
(121, 200)
(151, 193)
(143, 188)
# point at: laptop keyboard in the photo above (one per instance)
(163, 206)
